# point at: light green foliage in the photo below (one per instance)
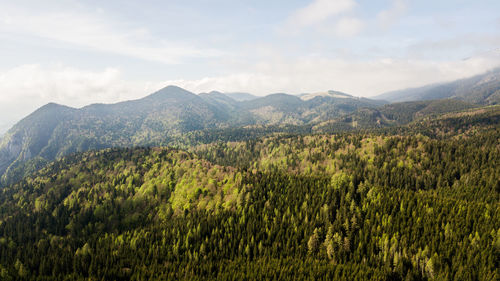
(362, 206)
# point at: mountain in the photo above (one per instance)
(395, 114)
(321, 107)
(28, 138)
(481, 89)
(158, 119)
(55, 130)
(305, 109)
(331, 94)
(232, 107)
(275, 109)
(241, 96)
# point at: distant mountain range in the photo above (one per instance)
(56, 130)
(480, 89)
(241, 96)
(390, 115)
(165, 116)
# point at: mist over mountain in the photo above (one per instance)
(480, 89)
(241, 96)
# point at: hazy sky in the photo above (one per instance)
(80, 52)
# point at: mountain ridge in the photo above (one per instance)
(56, 130)
(162, 117)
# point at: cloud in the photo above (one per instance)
(390, 16)
(348, 26)
(327, 17)
(27, 87)
(320, 10)
(93, 32)
(360, 78)
(461, 46)
(67, 85)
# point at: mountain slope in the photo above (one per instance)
(31, 135)
(53, 130)
(241, 96)
(158, 119)
(480, 89)
(331, 94)
(334, 104)
(231, 107)
(305, 109)
(395, 114)
(346, 206)
(218, 98)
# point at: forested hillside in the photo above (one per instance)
(161, 118)
(419, 202)
(391, 115)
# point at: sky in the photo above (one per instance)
(81, 52)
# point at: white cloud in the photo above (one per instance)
(93, 32)
(360, 78)
(66, 85)
(390, 16)
(27, 87)
(327, 17)
(320, 10)
(348, 26)
(464, 45)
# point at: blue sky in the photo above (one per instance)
(81, 52)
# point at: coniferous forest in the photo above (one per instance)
(250, 140)
(414, 202)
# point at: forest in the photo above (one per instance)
(412, 202)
